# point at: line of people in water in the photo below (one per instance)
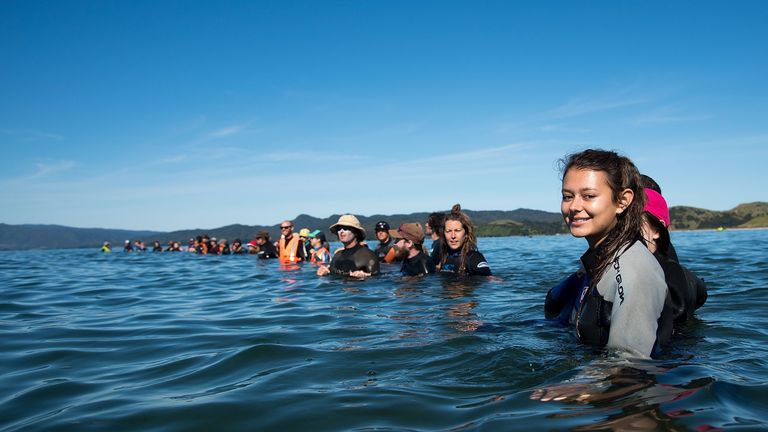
(628, 293)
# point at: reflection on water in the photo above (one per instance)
(170, 342)
(628, 397)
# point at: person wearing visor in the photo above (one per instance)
(355, 259)
(687, 292)
(320, 253)
(410, 248)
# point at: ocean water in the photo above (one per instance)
(179, 342)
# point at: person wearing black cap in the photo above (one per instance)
(385, 240)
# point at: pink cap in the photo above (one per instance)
(656, 205)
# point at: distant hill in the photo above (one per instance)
(488, 223)
(750, 215)
(63, 237)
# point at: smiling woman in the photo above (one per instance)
(616, 299)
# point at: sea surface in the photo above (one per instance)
(180, 342)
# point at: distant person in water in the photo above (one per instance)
(385, 241)
(156, 246)
(106, 247)
(265, 248)
(140, 246)
(237, 247)
(458, 253)
(192, 245)
(433, 228)
(127, 246)
(410, 249)
(320, 253)
(687, 291)
(175, 246)
(290, 247)
(355, 259)
(304, 236)
(617, 298)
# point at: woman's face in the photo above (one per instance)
(588, 206)
(454, 234)
(315, 242)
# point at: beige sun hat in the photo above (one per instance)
(350, 221)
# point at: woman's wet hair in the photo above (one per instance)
(664, 241)
(470, 241)
(621, 174)
(435, 221)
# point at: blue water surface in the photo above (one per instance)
(178, 342)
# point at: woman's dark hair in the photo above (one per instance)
(435, 221)
(649, 183)
(663, 242)
(470, 242)
(621, 174)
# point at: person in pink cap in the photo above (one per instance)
(687, 292)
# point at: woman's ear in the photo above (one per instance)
(625, 199)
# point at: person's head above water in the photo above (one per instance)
(348, 224)
(382, 231)
(286, 228)
(602, 199)
(656, 222)
(458, 231)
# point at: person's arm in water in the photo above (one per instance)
(560, 296)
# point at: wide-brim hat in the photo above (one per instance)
(262, 234)
(349, 221)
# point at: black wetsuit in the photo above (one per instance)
(435, 253)
(267, 251)
(687, 292)
(419, 265)
(383, 249)
(475, 264)
(358, 257)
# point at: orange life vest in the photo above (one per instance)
(319, 255)
(289, 253)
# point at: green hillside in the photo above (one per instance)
(488, 223)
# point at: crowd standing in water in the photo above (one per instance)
(628, 294)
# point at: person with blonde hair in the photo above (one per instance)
(458, 252)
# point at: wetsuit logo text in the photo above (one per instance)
(618, 280)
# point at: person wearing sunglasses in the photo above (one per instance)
(355, 259)
(291, 247)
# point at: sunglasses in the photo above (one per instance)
(343, 228)
(286, 227)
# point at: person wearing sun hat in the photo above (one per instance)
(262, 247)
(687, 292)
(410, 248)
(355, 259)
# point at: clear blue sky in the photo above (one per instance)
(168, 115)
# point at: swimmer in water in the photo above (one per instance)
(355, 259)
(458, 252)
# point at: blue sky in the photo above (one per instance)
(172, 115)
